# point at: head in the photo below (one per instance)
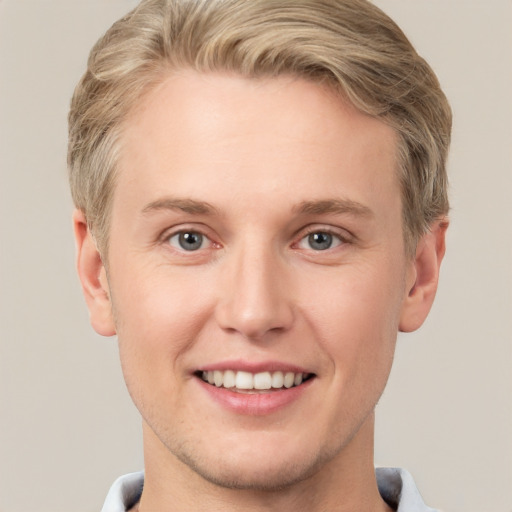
(350, 46)
(255, 181)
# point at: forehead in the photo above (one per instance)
(254, 136)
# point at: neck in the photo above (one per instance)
(342, 484)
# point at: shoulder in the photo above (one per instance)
(124, 493)
(398, 489)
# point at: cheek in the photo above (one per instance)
(356, 319)
(154, 304)
(156, 324)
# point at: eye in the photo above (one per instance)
(320, 241)
(189, 240)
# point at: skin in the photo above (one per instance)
(255, 167)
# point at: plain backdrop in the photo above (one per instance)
(67, 426)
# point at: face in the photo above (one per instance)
(257, 275)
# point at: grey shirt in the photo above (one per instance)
(396, 487)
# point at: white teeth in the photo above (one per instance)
(218, 378)
(262, 380)
(277, 380)
(229, 379)
(248, 381)
(244, 380)
(288, 379)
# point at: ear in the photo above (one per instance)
(423, 277)
(93, 277)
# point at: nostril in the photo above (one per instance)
(254, 324)
(254, 300)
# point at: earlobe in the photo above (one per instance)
(91, 272)
(424, 277)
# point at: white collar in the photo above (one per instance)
(396, 487)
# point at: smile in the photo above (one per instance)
(247, 381)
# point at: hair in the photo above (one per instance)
(349, 44)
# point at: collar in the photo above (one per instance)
(396, 487)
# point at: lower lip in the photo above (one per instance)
(255, 404)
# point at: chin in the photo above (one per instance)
(253, 473)
(266, 480)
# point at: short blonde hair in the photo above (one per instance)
(350, 44)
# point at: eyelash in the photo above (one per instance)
(339, 239)
(192, 231)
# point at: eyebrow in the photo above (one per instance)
(319, 207)
(185, 205)
(336, 206)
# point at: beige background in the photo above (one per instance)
(67, 427)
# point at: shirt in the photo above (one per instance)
(396, 487)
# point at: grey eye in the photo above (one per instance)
(320, 241)
(187, 240)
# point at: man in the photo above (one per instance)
(261, 205)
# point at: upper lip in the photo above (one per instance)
(253, 367)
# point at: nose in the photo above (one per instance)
(255, 297)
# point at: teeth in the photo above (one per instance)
(247, 380)
(244, 380)
(218, 378)
(229, 380)
(262, 380)
(277, 380)
(288, 379)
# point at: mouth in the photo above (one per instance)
(247, 382)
